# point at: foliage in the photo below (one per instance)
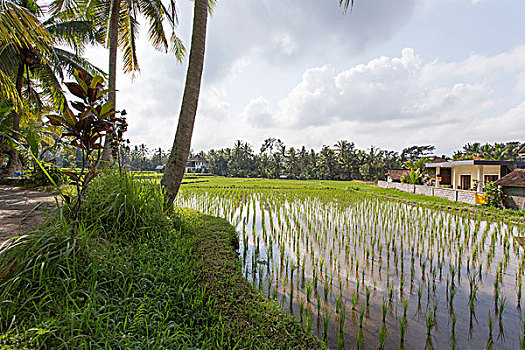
(39, 178)
(415, 153)
(496, 151)
(342, 162)
(417, 175)
(96, 118)
(494, 194)
(123, 207)
(61, 291)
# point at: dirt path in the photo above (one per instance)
(22, 210)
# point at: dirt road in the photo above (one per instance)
(22, 210)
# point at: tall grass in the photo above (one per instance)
(124, 208)
(135, 290)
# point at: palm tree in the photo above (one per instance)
(181, 144)
(119, 22)
(37, 62)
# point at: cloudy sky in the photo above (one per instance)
(389, 74)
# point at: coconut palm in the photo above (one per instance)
(119, 24)
(37, 62)
(181, 144)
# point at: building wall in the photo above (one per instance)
(461, 196)
(426, 190)
(514, 202)
(476, 172)
(446, 193)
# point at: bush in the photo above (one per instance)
(123, 207)
(39, 178)
(494, 194)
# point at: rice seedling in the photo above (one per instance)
(402, 330)
(328, 233)
(326, 322)
(361, 316)
(430, 322)
(384, 310)
(490, 340)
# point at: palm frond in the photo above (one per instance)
(177, 47)
(127, 34)
(51, 87)
(8, 92)
(346, 4)
(62, 6)
(21, 27)
(74, 34)
(154, 12)
(9, 58)
(71, 62)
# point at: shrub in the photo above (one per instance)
(122, 206)
(39, 178)
(494, 194)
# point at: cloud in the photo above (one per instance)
(286, 32)
(258, 113)
(406, 99)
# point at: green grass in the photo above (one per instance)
(363, 187)
(133, 278)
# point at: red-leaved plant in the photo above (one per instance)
(87, 128)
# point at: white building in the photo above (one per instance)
(197, 164)
(466, 174)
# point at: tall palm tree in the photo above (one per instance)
(37, 62)
(118, 20)
(181, 144)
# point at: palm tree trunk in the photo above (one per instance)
(113, 49)
(13, 153)
(181, 145)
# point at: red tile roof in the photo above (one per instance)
(514, 179)
(397, 174)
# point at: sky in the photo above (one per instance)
(388, 74)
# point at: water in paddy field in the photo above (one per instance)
(366, 272)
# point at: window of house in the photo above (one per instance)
(465, 181)
(491, 178)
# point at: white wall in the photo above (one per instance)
(476, 172)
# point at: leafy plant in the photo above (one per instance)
(494, 194)
(40, 178)
(86, 130)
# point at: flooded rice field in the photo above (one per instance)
(371, 273)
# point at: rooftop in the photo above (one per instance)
(513, 163)
(515, 178)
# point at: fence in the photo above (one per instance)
(453, 195)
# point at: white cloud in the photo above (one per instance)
(258, 113)
(404, 100)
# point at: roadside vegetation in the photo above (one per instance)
(134, 277)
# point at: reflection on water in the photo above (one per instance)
(367, 272)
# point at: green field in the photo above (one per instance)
(358, 265)
(207, 180)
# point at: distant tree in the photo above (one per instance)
(327, 164)
(417, 175)
(414, 153)
(496, 151)
(347, 161)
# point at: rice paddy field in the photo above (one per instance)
(370, 272)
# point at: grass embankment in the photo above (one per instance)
(133, 278)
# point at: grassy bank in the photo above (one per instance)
(133, 278)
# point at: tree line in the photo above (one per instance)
(342, 161)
